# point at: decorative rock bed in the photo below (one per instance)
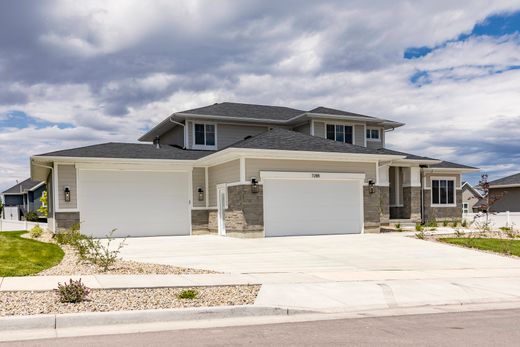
(104, 300)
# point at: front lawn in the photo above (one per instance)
(22, 257)
(503, 246)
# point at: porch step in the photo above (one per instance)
(403, 223)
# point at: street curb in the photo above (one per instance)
(92, 319)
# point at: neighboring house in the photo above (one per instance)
(249, 170)
(22, 198)
(470, 198)
(506, 194)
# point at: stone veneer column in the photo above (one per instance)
(245, 213)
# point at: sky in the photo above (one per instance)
(74, 73)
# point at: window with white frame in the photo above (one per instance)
(443, 192)
(373, 134)
(204, 135)
(340, 133)
(465, 207)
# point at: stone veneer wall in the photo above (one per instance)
(200, 221)
(245, 212)
(65, 220)
(411, 208)
(376, 212)
(442, 213)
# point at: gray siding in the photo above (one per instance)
(508, 199)
(254, 166)
(67, 177)
(199, 180)
(174, 136)
(359, 135)
(319, 129)
(227, 134)
(224, 173)
(304, 128)
(377, 144)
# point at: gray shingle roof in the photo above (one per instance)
(509, 180)
(238, 110)
(282, 139)
(129, 151)
(450, 165)
(331, 111)
(408, 155)
(21, 187)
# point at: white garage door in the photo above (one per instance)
(312, 204)
(136, 203)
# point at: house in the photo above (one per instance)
(22, 198)
(249, 170)
(471, 198)
(505, 194)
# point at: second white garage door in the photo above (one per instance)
(312, 204)
(136, 203)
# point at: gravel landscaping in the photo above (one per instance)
(71, 264)
(104, 300)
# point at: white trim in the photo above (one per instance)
(190, 197)
(242, 169)
(206, 186)
(185, 134)
(221, 210)
(504, 186)
(370, 138)
(344, 124)
(365, 132)
(204, 147)
(312, 127)
(310, 175)
(72, 160)
(455, 188)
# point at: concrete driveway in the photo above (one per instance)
(312, 254)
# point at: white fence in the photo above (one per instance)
(13, 225)
(497, 220)
(11, 212)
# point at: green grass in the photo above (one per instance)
(511, 247)
(22, 257)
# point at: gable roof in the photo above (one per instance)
(22, 187)
(474, 191)
(331, 111)
(506, 181)
(118, 150)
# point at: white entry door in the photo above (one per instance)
(312, 203)
(136, 203)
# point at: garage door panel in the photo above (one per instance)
(312, 207)
(136, 203)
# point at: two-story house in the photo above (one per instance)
(249, 170)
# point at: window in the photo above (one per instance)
(373, 134)
(204, 135)
(340, 133)
(443, 192)
(465, 207)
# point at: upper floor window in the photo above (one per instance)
(443, 192)
(204, 135)
(373, 134)
(340, 133)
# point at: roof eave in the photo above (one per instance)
(43, 158)
(447, 169)
(514, 185)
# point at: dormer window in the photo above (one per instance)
(204, 136)
(340, 133)
(373, 134)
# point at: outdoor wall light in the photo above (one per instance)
(201, 193)
(254, 185)
(66, 190)
(371, 185)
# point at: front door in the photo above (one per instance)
(221, 205)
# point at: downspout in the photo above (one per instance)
(182, 125)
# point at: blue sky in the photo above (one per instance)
(74, 74)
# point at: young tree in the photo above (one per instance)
(488, 201)
(44, 210)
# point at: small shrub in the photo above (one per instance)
(419, 227)
(398, 226)
(505, 229)
(97, 253)
(420, 235)
(188, 294)
(70, 236)
(31, 217)
(72, 292)
(445, 223)
(36, 232)
(432, 223)
(464, 223)
(455, 223)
